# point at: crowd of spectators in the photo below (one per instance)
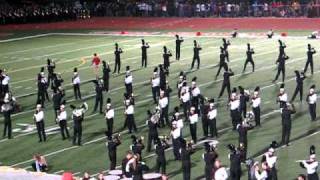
(74, 9)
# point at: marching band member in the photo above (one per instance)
(160, 148)
(99, 95)
(225, 45)
(117, 54)
(282, 96)
(163, 104)
(196, 57)
(78, 117)
(6, 109)
(271, 159)
(176, 136)
(234, 104)
(179, 41)
(255, 104)
(112, 143)
(62, 119)
(185, 99)
(299, 87)
(212, 122)
(155, 86)
(263, 173)
(195, 92)
(152, 123)
(144, 47)
(137, 145)
(186, 151)
(311, 51)
(226, 82)
(249, 59)
(109, 115)
(270, 34)
(76, 84)
(193, 118)
(38, 117)
(311, 165)
(106, 75)
(129, 112)
(128, 80)
(312, 101)
(166, 58)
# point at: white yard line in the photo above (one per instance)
(35, 58)
(23, 38)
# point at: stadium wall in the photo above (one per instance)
(175, 24)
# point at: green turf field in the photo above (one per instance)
(23, 59)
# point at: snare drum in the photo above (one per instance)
(152, 176)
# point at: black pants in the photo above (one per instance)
(152, 137)
(186, 106)
(161, 164)
(106, 84)
(256, 112)
(76, 90)
(41, 131)
(178, 53)
(313, 176)
(117, 66)
(113, 161)
(195, 58)
(155, 93)
(109, 123)
(193, 132)
(286, 130)
(41, 97)
(273, 174)
(77, 134)
(235, 114)
(224, 86)
(164, 116)
(309, 62)
(7, 124)
(313, 111)
(64, 129)
(212, 123)
(131, 123)
(128, 88)
(299, 89)
(221, 65)
(245, 65)
(144, 61)
(235, 174)
(99, 101)
(186, 169)
(205, 124)
(281, 70)
(243, 110)
(208, 172)
(176, 148)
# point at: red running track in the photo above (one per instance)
(176, 24)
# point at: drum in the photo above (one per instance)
(115, 172)
(111, 177)
(152, 176)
